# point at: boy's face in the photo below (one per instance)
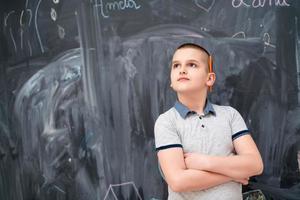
(189, 71)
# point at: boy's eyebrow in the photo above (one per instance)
(190, 60)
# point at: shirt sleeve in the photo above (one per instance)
(238, 125)
(165, 134)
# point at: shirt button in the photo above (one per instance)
(200, 117)
(202, 126)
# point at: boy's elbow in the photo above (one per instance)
(177, 184)
(259, 168)
(176, 187)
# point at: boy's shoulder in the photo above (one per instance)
(170, 113)
(229, 110)
(221, 107)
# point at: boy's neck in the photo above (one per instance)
(193, 102)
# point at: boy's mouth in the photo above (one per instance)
(183, 79)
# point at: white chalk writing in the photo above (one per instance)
(259, 3)
(107, 7)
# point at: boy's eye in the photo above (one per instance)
(175, 65)
(192, 65)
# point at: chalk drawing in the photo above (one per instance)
(53, 14)
(201, 4)
(30, 49)
(240, 34)
(61, 32)
(297, 48)
(267, 39)
(13, 39)
(36, 26)
(7, 16)
(111, 186)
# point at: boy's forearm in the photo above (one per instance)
(195, 180)
(237, 167)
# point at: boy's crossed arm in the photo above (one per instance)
(246, 163)
(182, 179)
(191, 172)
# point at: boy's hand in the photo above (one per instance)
(196, 161)
(244, 181)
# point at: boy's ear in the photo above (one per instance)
(211, 79)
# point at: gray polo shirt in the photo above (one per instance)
(211, 133)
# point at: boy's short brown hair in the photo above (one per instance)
(193, 45)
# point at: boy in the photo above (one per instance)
(205, 151)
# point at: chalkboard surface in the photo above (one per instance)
(83, 81)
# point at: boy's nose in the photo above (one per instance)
(182, 70)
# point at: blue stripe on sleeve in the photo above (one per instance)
(239, 134)
(168, 146)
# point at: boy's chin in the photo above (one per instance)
(188, 91)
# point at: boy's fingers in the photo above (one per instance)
(244, 181)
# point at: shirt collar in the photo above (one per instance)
(184, 111)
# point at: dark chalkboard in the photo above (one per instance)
(83, 81)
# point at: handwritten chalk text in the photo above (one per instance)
(259, 3)
(107, 7)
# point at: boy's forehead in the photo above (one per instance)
(189, 53)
